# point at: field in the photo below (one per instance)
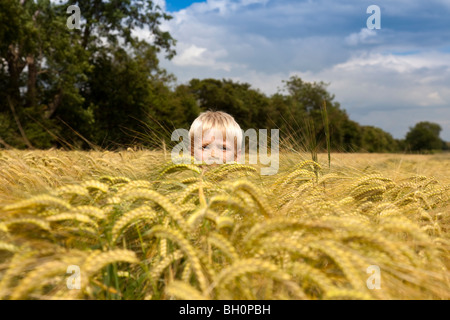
(132, 225)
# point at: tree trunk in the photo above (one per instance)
(31, 84)
(3, 142)
(86, 35)
(15, 68)
(22, 132)
(54, 104)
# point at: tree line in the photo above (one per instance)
(102, 86)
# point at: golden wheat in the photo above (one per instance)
(143, 212)
(142, 228)
(182, 290)
(189, 250)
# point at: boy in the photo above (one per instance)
(215, 137)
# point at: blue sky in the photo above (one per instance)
(177, 5)
(391, 78)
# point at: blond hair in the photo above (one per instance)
(218, 120)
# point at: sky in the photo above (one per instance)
(391, 78)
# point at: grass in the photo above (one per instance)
(141, 228)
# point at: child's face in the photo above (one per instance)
(214, 148)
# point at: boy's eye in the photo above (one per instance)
(224, 148)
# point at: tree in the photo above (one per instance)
(376, 140)
(45, 67)
(307, 101)
(424, 136)
(445, 145)
(248, 106)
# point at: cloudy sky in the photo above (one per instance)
(391, 78)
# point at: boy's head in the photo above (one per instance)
(215, 137)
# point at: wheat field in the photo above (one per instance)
(140, 227)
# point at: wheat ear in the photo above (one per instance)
(178, 238)
(159, 199)
(184, 291)
(144, 212)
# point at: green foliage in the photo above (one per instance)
(247, 105)
(307, 100)
(377, 140)
(424, 137)
(445, 145)
(47, 69)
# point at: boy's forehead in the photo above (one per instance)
(210, 133)
(214, 134)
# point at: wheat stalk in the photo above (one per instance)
(187, 248)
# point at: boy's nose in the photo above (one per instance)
(214, 153)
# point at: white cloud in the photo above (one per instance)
(265, 42)
(266, 83)
(223, 6)
(365, 36)
(190, 56)
(197, 56)
(387, 79)
(160, 3)
(392, 92)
